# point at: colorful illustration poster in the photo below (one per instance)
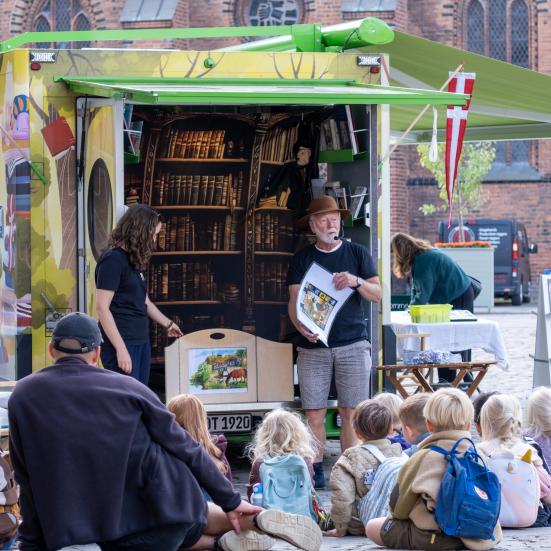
(319, 301)
(217, 370)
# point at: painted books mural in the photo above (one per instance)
(219, 370)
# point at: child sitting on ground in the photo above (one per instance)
(412, 524)
(414, 427)
(393, 402)
(539, 420)
(191, 415)
(501, 431)
(372, 422)
(281, 433)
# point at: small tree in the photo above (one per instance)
(476, 160)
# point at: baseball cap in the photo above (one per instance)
(81, 328)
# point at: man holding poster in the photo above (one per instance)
(352, 272)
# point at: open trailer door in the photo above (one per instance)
(100, 177)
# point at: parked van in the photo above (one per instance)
(512, 277)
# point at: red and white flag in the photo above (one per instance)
(456, 123)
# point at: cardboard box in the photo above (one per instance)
(229, 366)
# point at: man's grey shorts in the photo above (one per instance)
(352, 365)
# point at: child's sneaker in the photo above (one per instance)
(248, 540)
(300, 531)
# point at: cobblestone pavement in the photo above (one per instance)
(518, 325)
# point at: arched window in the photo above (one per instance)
(475, 27)
(500, 29)
(62, 15)
(519, 33)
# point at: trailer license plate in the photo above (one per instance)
(230, 422)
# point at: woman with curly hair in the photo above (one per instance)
(122, 304)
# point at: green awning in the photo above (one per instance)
(509, 102)
(206, 91)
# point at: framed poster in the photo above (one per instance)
(218, 370)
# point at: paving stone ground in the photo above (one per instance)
(518, 325)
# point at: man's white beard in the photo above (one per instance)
(327, 238)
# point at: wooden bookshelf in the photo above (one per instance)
(195, 253)
(179, 160)
(186, 302)
(197, 207)
(273, 253)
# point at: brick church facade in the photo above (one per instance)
(518, 31)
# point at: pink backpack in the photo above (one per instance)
(520, 489)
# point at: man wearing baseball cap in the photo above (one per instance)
(348, 351)
(99, 459)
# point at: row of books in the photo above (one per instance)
(270, 281)
(183, 233)
(198, 189)
(181, 281)
(192, 144)
(278, 144)
(338, 131)
(273, 232)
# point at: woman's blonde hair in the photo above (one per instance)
(501, 417)
(392, 402)
(449, 409)
(538, 412)
(192, 416)
(282, 432)
(404, 247)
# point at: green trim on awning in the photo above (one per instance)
(253, 91)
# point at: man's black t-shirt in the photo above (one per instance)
(115, 273)
(349, 325)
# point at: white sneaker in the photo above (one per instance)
(298, 530)
(249, 540)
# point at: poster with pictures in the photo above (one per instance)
(319, 301)
(217, 370)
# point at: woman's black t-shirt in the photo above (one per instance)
(115, 273)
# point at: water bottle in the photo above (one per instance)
(256, 497)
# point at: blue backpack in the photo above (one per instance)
(469, 499)
(287, 485)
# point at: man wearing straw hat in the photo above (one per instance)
(348, 351)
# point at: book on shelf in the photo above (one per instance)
(356, 200)
(192, 144)
(185, 281)
(270, 281)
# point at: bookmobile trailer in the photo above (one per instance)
(200, 136)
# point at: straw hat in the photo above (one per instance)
(319, 205)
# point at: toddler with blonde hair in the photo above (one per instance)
(538, 418)
(501, 430)
(281, 432)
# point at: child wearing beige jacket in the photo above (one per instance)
(372, 422)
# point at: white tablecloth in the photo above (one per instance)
(453, 336)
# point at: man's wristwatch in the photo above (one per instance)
(359, 284)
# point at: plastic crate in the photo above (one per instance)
(430, 313)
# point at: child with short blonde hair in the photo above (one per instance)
(414, 425)
(372, 421)
(412, 524)
(538, 418)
